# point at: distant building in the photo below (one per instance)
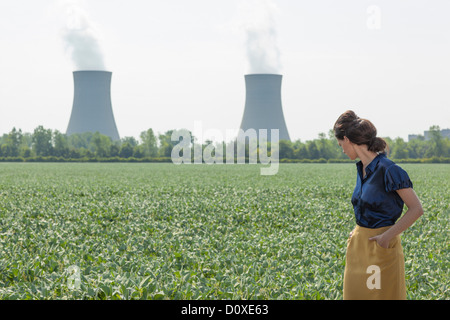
(92, 109)
(445, 134)
(263, 107)
(413, 136)
(427, 135)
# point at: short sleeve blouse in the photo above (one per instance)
(375, 201)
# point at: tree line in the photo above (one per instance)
(51, 145)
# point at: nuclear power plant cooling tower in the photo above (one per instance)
(263, 108)
(92, 109)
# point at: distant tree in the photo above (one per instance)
(286, 150)
(11, 143)
(27, 140)
(85, 153)
(166, 144)
(389, 143)
(313, 151)
(446, 147)
(114, 150)
(25, 152)
(61, 146)
(325, 146)
(149, 143)
(74, 153)
(437, 149)
(130, 140)
(417, 148)
(399, 149)
(333, 145)
(126, 150)
(300, 151)
(80, 140)
(102, 144)
(42, 141)
(138, 151)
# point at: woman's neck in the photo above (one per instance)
(365, 155)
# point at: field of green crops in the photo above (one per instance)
(160, 231)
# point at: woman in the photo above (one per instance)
(374, 266)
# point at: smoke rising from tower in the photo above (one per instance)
(263, 107)
(81, 38)
(258, 22)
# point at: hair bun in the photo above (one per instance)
(359, 131)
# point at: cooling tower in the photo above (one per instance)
(263, 109)
(92, 109)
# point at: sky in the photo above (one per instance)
(178, 62)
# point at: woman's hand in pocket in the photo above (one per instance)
(382, 242)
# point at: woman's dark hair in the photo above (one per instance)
(359, 131)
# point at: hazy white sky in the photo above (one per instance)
(175, 62)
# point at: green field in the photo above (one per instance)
(160, 231)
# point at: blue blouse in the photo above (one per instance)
(375, 200)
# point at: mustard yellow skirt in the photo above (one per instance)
(371, 271)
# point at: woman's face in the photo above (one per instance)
(348, 148)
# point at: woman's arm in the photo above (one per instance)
(413, 213)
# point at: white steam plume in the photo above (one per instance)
(258, 20)
(81, 38)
